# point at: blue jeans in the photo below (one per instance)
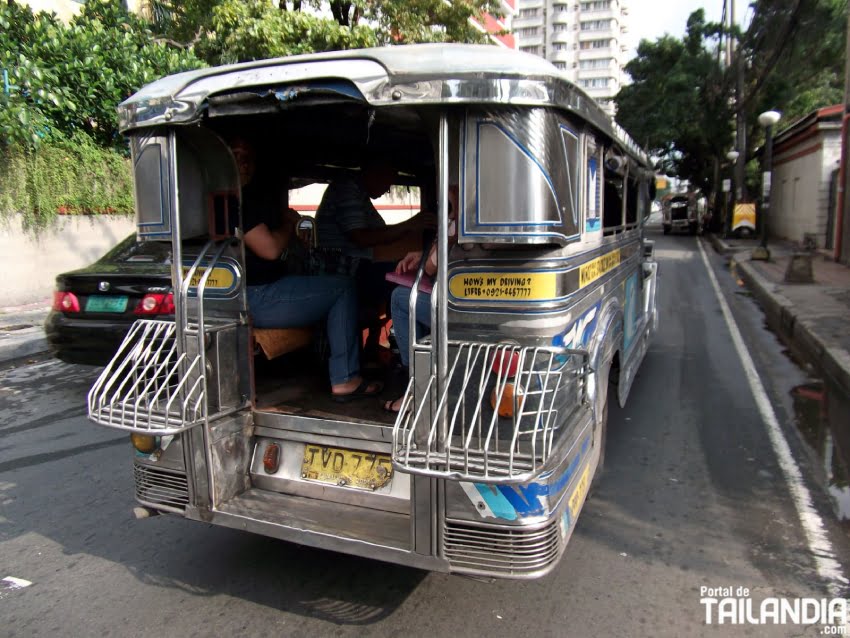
(297, 301)
(400, 308)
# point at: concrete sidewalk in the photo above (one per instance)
(22, 331)
(813, 319)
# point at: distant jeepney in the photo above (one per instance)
(542, 309)
(681, 211)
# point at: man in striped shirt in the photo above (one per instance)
(347, 220)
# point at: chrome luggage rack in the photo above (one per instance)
(156, 383)
(455, 431)
(148, 387)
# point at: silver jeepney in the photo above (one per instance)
(545, 302)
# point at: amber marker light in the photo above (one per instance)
(144, 443)
(506, 404)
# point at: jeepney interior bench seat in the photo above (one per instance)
(275, 342)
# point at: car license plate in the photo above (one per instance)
(106, 303)
(347, 468)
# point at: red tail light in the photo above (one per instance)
(156, 304)
(506, 362)
(65, 302)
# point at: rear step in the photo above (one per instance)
(324, 525)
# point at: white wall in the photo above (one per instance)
(29, 263)
(799, 195)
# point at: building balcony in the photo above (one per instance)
(529, 40)
(528, 21)
(561, 56)
(597, 35)
(602, 72)
(599, 14)
(563, 37)
(561, 17)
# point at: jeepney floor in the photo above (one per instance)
(297, 385)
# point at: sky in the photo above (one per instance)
(650, 19)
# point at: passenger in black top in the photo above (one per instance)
(278, 301)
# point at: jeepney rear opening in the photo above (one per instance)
(487, 465)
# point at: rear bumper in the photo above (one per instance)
(85, 341)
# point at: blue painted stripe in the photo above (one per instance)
(498, 504)
(507, 501)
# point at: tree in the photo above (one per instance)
(795, 56)
(224, 31)
(677, 106)
(69, 79)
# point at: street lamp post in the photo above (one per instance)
(768, 120)
(732, 156)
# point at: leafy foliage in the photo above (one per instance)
(70, 78)
(681, 101)
(64, 175)
(676, 106)
(796, 56)
(223, 31)
(240, 31)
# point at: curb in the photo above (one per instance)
(718, 244)
(800, 334)
(721, 247)
(19, 344)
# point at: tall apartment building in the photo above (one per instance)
(585, 39)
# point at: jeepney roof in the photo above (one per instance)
(406, 74)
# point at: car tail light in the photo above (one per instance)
(65, 302)
(155, 303)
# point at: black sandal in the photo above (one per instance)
(388, 405)
(361, 392)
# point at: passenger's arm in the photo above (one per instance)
(270, 244)
(371, 237)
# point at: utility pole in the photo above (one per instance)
(842, 223)
(740, 120)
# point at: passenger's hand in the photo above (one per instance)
(425, 220)
(292, 216)
(409, 262)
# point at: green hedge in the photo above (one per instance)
(64, 176)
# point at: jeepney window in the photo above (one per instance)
(593, 208)
(642, 200)
(631, 201)
(571, 146)
(612, 213)
(527, 198)
(149, 191)
(520, 176)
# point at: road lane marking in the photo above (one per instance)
(827, 566)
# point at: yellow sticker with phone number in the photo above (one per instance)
(504, 286)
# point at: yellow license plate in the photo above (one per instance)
(347, 468)
(219, 278)
(579, 493)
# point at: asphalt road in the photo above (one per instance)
(692, 496)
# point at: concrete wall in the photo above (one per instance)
(799, 196)
(29, 263)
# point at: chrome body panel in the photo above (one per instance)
(412, 74)
(549, 262)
